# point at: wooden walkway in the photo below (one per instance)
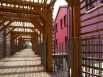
(25, 64)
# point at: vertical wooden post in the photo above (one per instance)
(33, 42)
(76, 54)
(49, 40)
(11, 43)
(4, 42)
(36, 38)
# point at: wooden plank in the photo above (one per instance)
(24, 64)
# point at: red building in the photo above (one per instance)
(60, 28)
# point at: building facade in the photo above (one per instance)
(91, 18)
(60, 28)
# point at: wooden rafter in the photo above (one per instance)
(18, 32)
(5, 26)
(18, 10)
(10, 31)
(3, 22)
(21, 27)
(24, 3)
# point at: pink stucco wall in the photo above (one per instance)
(61, 33)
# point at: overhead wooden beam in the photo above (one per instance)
(17, 10)
(20, 16)
(3, 22)
(37, 26)
(24, 3)
(41, 13)
(52, 2)
(18, 32)
(21, 27)
(25, 38)
(15, 19)
(5, 26)
(10, 31)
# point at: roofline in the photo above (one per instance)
(65, 6)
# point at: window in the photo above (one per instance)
(65, 20)
(101, 1)
(61, 24)
(56, 27)
(65, 40)
(56, 42)
(89, 4)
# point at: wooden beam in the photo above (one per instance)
(21, 27)
(52, 2)
(16, 16)
(25, 3)
(15, 19)
(4, 43)
(18, 32)
(41, 13)
(49, 41)
(18, 10)
(2, 22)
(5, 26)
(10, 31)
(76, 53)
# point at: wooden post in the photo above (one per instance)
(76, 54)
(49, 40)
(33, 42)
(11, 43)
(36, 38)
(4, 42)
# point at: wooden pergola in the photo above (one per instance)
(33, 18)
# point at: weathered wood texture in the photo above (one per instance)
(25, 64)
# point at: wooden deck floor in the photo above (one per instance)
(25, 64)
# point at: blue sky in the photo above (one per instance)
(56, 6)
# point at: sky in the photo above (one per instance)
(56, 6)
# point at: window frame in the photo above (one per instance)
(90, 6)
(56, 27)
(65, 20)
(101, 1)
(61, 23)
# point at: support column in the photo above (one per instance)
(36, 41)
(49, 40)
(12, 44)
(76, 53)
(33, 42)
(4, 42)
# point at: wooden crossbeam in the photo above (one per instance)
(42, 14)
(15, 19)
(16, 15)
(10, 31)
(52, 2)
(3, 22)
(21, 27)
(18, 10)
(5, 26)
(24, 3)
(26, 38)
(18, 32)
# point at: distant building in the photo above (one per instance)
(60, 28)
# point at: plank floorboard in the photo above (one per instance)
(25, 64)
